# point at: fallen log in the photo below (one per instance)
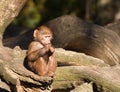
(17, 76)
(72, 33)
(106, 79)
(67, 58)
(13, 72)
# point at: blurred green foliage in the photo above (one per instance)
(37, 12)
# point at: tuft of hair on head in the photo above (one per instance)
(44, 30)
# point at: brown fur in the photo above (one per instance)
(40, 59)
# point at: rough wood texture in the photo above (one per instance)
(85, 87)
(114, 27)
(13, 72)
(106, 78)
(65, 57)
(8, 11)
(18, 77)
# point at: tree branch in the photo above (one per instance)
(8, 11)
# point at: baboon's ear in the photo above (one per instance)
(35, 33)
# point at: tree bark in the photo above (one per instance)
(88, 69)
(85, 69)
(72, 33)
(14, 73)
(105, 78)
(67, 58)
(114, 27)
(8, 11)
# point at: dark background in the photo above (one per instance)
(37, 12)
